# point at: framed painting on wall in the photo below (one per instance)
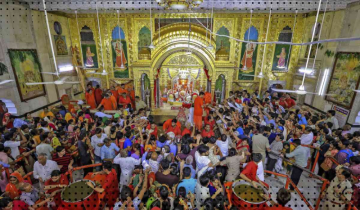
(27, 68)
(344, 79)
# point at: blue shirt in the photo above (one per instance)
(272, 121)
(240, 130)
(188, 184)
(109, 152)
(128, 143)
(302, 120)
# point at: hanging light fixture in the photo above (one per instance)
(151, 46)
(179, 4)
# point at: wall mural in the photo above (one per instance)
(345, 78)
(27, 68)
(221, 41)
(88, 47)
(144, 41)
(282, 51)
(60, 44)
(248, 54)
(119, 53)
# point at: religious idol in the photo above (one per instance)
(120, 55)
(89, 60)
(247, 58)
(282, 57)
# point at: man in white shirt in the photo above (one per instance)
(43, 168)
(127, 165)
(223, 144)
(29, 194)
(13, 144)
(97, 141)
(202, 157)
(307, 138)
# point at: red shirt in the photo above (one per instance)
(155, 132)
(19, 205)
(111, 188)
(211, 123)
(250, 171)
(185, 131)
(124, 101)
(290, 102)
(175, 130)
(167, 124)
(282, 103)
(207, 134)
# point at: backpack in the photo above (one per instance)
(349, 154)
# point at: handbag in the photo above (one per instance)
(324, 166)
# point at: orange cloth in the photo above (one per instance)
(108, 105)
(167, 124)
(98, 95)
(90, 99)
(175, 130)
(207, 98)
(121, 91)
(132, 98)
(124, 101)
(113, 101)
(186, 131)
(198, 112)
(11, 188)
(48, 114)
(115, 94)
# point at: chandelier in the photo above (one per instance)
(179, 4)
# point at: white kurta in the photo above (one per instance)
(190, 117)
(127, 166)
(307, 139)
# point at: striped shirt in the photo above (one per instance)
(63, 161)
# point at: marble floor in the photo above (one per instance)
(310, 188)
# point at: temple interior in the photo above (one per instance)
(69, 56)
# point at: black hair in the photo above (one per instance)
(346, 172)
(164, 192)
(125, 193)
(55, 173)
(165, 164)
(232, 152)
(107, 165)
(98, 130)
(185, 149)
(223, 137)
(332, 112)
(4, 202)
(174, 120)
(162, 139)
(204, 180)
(203, 149)
(206, 140)
(187, 172)
(59, 148)
(283, 196)
(355, 159)
(257, 157)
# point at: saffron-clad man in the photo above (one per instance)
(90, 98)
(98, 94)
(106, 103)
(168, 123)
(111, 184)
(124, 100)
(174, 128)
(198, 110)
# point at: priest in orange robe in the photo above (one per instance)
(198, 110)
(124, 100)
(113, 100)
(90, 98)
(115, 93)
(207, 99)
(98, 95)
(122, 90)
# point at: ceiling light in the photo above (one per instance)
(306, 71)
(179, 4)
(66, 68)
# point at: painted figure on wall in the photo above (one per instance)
(119, 53)
(89, 58)
(88, 47)
(248, 55)
(282, 58)
(246, 61)
(27, 69)
(60, 43)
(344, 79)
(282, 52)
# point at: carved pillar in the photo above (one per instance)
(152, 98)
